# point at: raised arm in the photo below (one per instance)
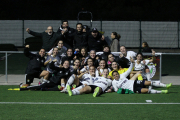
(27, 53)
(129, 70)
(34, 33)
(153, 56)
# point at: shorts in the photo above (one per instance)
(138, 85)
(30, 77)
(93, 87)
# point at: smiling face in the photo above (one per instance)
(139, 57)
(79, 27)
(105, 73)
(83, 52)
(69, 52)
(92, 70)
(106, 49)
(110, 58)
(94, 34)
(65, 24)
(89, 62)
(66, 64)
(114, 66)
(60, 44)
(42, 52)
(116, 75)
(55, 51)
(92, 54)
(77, 62)
(102, 64)
(123, 50)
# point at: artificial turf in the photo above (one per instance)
(88, 111)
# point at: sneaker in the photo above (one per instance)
(96, 92)
(168, 85)
(164, 91)
(69, 90)
(73, 86)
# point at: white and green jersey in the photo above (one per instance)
(102, 82)
(123, 82)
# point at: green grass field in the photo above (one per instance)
(53, 105)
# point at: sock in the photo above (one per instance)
(80, 87)
(148, 76)
(44, 80)
(152, 91)
(157, 84)
(75, 92)
(62, 84)
(140, 77)
(70, 80)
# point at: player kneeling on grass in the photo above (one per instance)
(33, 69)
(100, 84)
(137, 86)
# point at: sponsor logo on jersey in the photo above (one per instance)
(60, 72)
(67, 73)
(37, 59)
(69, 31)
(42, 61)
(71, 61)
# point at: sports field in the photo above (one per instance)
(111, 106)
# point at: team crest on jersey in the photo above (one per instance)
(60, 72)
(69, 31)
(37, 59)
(66, 73)
(71, 61)
(42, 60)
(152, 69)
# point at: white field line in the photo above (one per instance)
(51, 103)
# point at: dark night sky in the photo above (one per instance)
(130, 10)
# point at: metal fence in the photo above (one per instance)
(133, 33)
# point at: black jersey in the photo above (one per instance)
(35, 62)
(60, 73)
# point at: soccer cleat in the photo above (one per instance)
(10, 89)
(21, 86)
(69, 90)
(164, 91)
(168, 85)
(73, 86)
(96, 92)
(60, 87)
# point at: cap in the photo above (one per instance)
(94, 30)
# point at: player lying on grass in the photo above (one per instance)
(141, 65)
(120, 81)
(81, 80)
(98, 86)
(54, 81)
